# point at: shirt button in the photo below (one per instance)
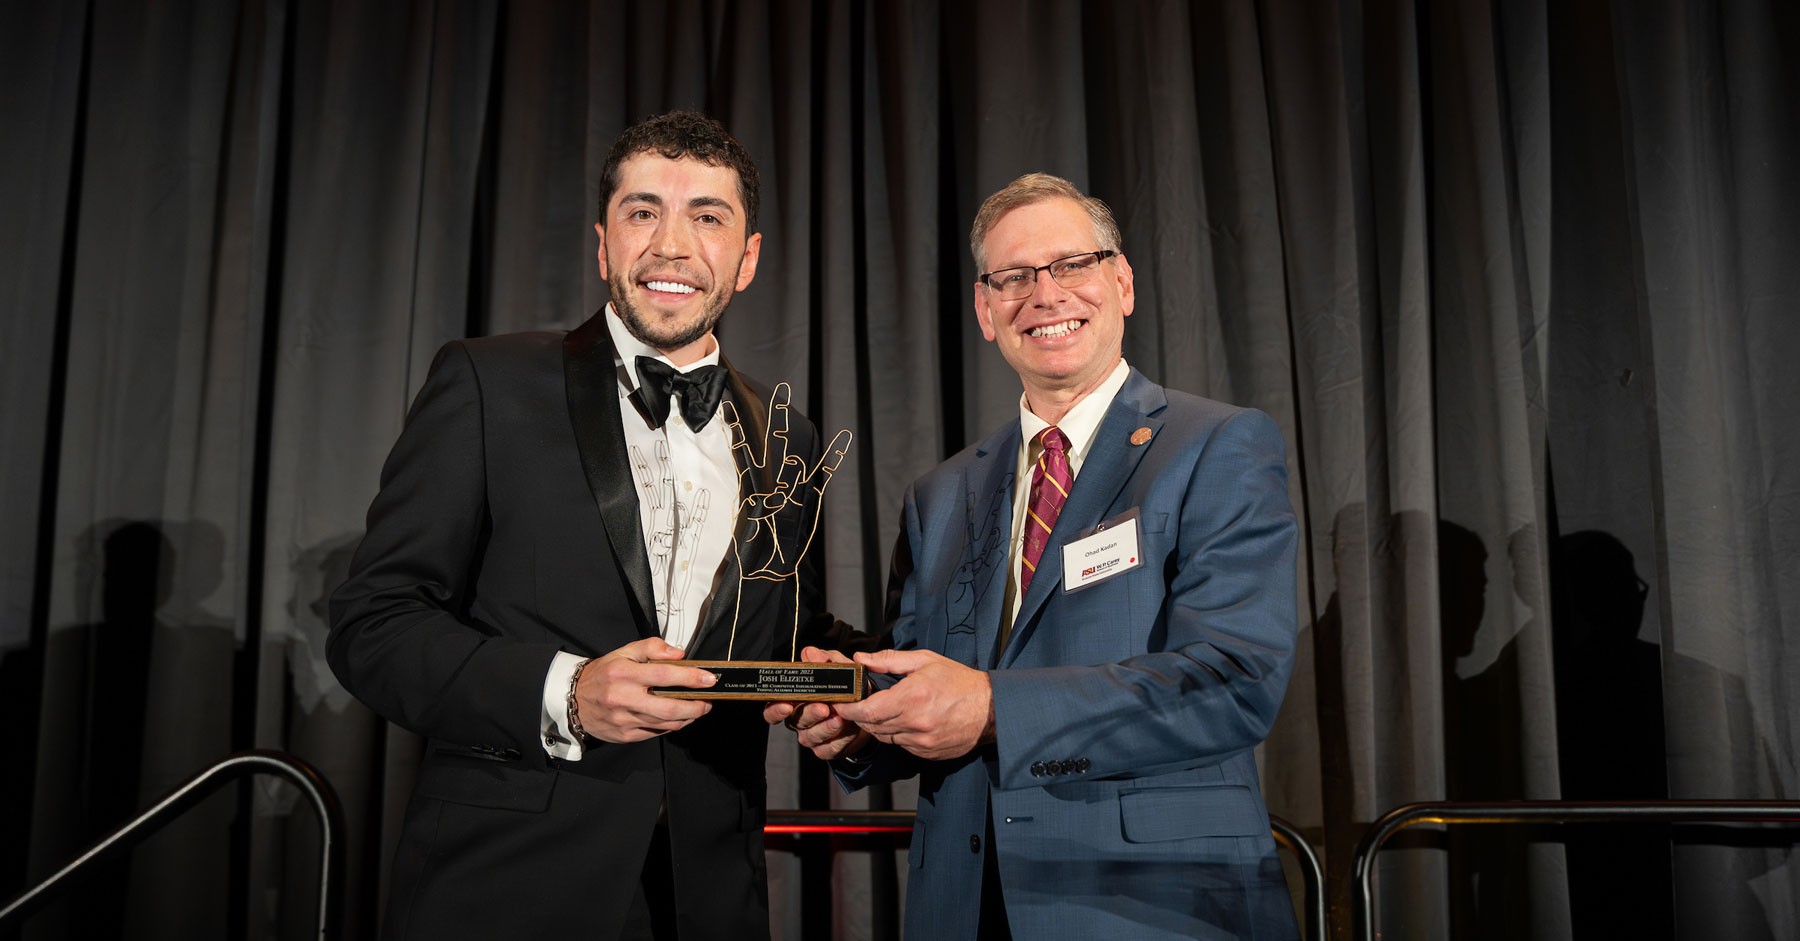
(974, 843)
(687, 484)
(684, 565)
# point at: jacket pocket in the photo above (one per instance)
(1153, 815)
(484, 782)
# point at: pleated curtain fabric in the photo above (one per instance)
(1515, 279)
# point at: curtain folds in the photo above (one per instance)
(1515, 279)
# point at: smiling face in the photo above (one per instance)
(1062, 342)
(673, 251)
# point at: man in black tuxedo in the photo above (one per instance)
(561, 515)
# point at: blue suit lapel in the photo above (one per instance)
(981, 577)
(1109, 464)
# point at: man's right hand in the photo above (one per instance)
(817, 725)
(613, 694)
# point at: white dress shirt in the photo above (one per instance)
(687, 484)
(1080, 424)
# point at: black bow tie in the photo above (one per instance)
(699, 389)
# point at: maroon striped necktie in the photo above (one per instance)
(1051, 480)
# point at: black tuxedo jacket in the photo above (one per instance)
(506, 529)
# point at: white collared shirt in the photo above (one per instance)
(687, 487)
(1080, 424)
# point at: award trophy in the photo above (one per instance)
(761, 556)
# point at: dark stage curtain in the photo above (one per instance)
(1518, 280)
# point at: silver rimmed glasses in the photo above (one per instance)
(1071, 272)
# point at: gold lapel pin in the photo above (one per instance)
(1140, 436)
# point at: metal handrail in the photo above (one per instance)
(1514, 812)
(838, 821)
(1312, 875)
(197, 788)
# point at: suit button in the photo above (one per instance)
(974, 843)
(1064, 767)
(1081, 764)
(1037, 769)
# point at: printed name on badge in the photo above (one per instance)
(1113, 550)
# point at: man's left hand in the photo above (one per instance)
(939, 709)
(816, 725)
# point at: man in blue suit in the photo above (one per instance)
(1092, 618)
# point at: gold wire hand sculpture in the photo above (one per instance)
(798, 490)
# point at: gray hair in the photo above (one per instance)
(1035, 188)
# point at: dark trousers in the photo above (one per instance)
(651, 916)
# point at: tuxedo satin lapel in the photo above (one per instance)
(591, 384)
(989, 498)
(721, 610)
(1109, 464)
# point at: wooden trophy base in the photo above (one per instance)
(773, 681)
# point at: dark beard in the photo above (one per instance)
(637, 327)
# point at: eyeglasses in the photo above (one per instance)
(1072, 272)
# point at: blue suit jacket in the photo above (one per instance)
(1122, 782)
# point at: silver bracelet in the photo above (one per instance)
(575, 729)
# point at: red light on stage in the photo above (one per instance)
(839, 822)
(814, 828)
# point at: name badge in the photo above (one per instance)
(1111, 550)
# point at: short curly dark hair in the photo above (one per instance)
(683, 134)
